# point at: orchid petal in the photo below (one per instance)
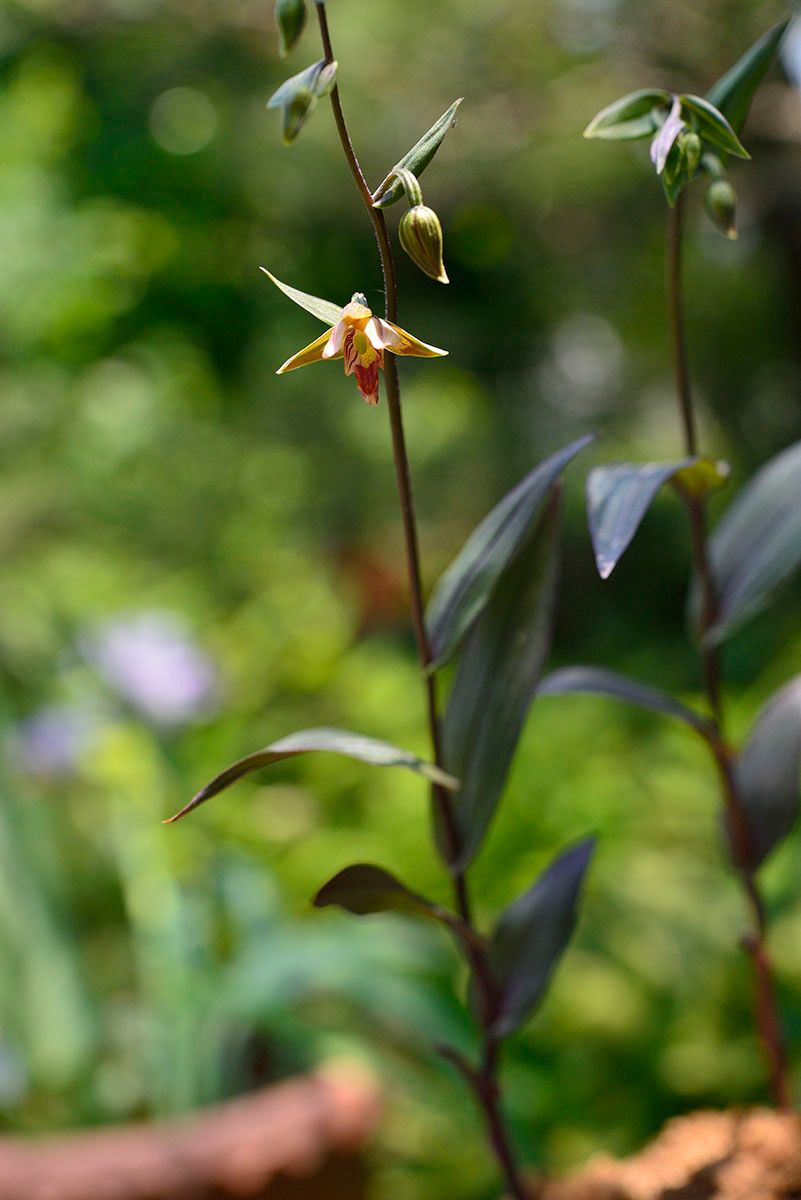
(398, 341)
(333, 347)
(663, 140)
(374, 335)
(309, 354)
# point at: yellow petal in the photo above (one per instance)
(398, 341)
(309, 354)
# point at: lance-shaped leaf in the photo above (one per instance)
(618, 497)
(767, 771)
(417, 159)
(757, 543)
(337, 741)
(532, 936)
(324, 310)
(466, 586)
(630, 117)
(599, 682)
(499, 667)
(364, 889)
(734, 91)
(712, 125)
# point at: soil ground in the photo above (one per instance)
(751, 1155)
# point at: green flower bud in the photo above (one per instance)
(295, 113)
(721, 204)
(690, 146)
(290, 17)
(297, 97)
(421, 237)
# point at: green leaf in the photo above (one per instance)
(628, 118)
(496, 677)
(364, 889)
(532, 935)
(734, 91)
(391, 189)
(599, 682)
(336, 741)
(618, 497)
(465, 588)
(767, 771)
(713, 126)
(324, 310)
(757, 543)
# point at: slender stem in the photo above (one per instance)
(484, 1082)
(767, 1017)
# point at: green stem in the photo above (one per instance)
(486, 1086)
(767, 1016)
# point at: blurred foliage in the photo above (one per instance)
(153, 469)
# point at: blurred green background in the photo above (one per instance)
(199, 558)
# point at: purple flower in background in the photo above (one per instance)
(151, 661)
(51, 741)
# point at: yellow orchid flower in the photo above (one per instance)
(355, 335)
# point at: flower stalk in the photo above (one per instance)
(484, 1081)
(739, 837)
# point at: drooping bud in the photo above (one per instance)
(421, 237)
(290, 17)
(297, 97)
(690, 146)
(721, 204)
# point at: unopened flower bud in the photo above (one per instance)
(721, 204)
(290, 17)
(690, 146)
(297, 97)
(294, 114)
(421, 237)
(326, 80)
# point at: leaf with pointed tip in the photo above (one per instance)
(767, 772)
(364, 889)
(628, 118)
(532, 935)
(324, 310)
(416, 160)
(466, 586)
(734, 91)
(497, 674)
(757, 543)
(599, 682)
(618, 497)
(337, 741)
(713, 126)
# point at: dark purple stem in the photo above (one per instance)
(739, 837)
(483, 1082)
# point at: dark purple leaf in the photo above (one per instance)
(599, 682)
(618, 497)
(757, 543)
(364, 889)
(767, 771)
(532, 936)
(497, 674)
(466, 586)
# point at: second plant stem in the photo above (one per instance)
(739, 838)
(484, 1081)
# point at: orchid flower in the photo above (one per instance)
(355, 335)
